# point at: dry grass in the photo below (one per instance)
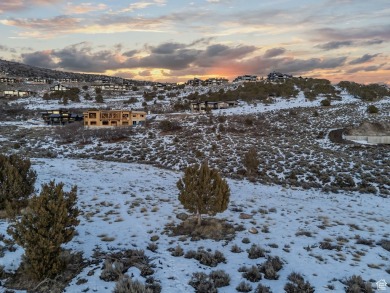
(211, 228)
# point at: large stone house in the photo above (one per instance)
(113, 118)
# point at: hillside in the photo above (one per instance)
(15, 69)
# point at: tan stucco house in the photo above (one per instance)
(113, 118)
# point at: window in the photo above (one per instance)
(142, 115)
(93, 122)
(134, 122)
(92, 115)
(105, 122)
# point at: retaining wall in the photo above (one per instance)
(378, 139)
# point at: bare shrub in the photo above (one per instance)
(262, 289)
(356, 284)
(127, 285)
(168, 125)
(297, 284)
(220, 278)
(255, 252)
(178, 251)
(244, 287)
(207, 258)
(152, 247)
(111, 271)
(252, 274)
(271, 267)
(236, 249)
(385, 244)
(202, 283)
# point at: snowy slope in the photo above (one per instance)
(108, 191)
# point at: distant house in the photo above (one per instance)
(215, 81)
(278, 77)
(10, 80)
(112, 87)
(60, 117)
(245, 78)
(59, 88)
(16, 93)
(113, 118)
(206, 106)
(69, 80)
(194, 82)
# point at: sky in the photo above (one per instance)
(173, 41)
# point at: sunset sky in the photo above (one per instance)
(177, 40)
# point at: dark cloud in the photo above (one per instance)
(39, 59)
(201, 41)
(80, 57)
(365, 68)
(363, 59)
(358, 33)
(274, 52)
(294, 66)
(178, 59)
(130, 53)
(167, 48)
(216, 54)
(334, 45)
(373, 42)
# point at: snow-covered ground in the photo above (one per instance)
(129, 203)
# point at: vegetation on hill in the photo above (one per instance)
(265, 91)
(368, 92)
(16, 69)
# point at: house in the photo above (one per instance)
(60, 117)
(278, 77)
(194, 82)
(245, 78)
(59, 88)
(112, 87)
(215, 81)
(10, 80)
(16, 93)
(113, 118)
(206, 106)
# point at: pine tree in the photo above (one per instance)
(203, 191)
(17, 181)
(251, 162)
(49, 222)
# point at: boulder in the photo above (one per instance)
(182, 216)
(245, 216)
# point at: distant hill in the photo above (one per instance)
(15, 69)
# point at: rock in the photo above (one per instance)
(245, 216)
(182, 216)
(253, 230)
